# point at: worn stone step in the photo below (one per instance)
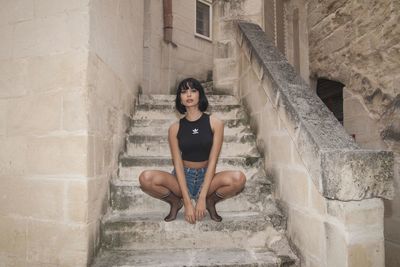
(131, 173)
(191, 257)
(213, 100)
(170, 107)
(229, 132)
(166, 122)
(127, 161)
(236, 113)
(149, 146)
(255, 197)
(141, 231)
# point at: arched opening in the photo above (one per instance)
(331, 93)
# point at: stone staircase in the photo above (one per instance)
(133, 232)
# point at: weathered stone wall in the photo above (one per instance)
(114, 77)
(296, 37)
(166, 64)
(358, 44)
(43, 133)
(284, 111)
(225, 68)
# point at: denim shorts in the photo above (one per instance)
(194, 180)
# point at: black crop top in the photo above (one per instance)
(195, 138)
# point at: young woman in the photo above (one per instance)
(195, 142)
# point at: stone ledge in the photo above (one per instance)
(338, 167)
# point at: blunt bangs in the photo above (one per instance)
(194, 84)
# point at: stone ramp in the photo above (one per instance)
(133, 232)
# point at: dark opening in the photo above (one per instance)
(331, 93)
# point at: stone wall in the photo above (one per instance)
(114, 78)
(226, 65)
(69, 74)
(358, 44)
(165, 64)
(294, 130)
(43, 133)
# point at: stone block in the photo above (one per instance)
(368, 254)
(13, 156)
(13, 240)
(360, 169)
(317, 202)
(256, 99)
(64, 155)
(14, 78)
(76, 201)
(41, 37)
(36, 198)
(74, 112)
(3, 114)
(392, 232)
(336, 246)
(34, 114)
(57, 243)
(307, 232)
(392, 255)
(281, 147)
(358, 214)
(294, 187)
(45, 8)
(6, 46)
(61, 71)
(16, 11)
(225, 69)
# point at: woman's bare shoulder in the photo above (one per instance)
(215, 121)
(173, 129)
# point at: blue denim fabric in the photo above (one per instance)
(194, 180)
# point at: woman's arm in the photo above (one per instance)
(178, 164)
(218, 129)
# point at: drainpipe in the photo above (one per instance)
(167, 9)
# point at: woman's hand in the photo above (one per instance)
(190, 216)
(200, 208)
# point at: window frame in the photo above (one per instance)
(208, 3)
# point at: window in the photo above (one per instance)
(203, 19)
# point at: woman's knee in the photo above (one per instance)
(145, 179)
(239, 179)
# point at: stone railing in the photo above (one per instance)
(330, 189)
(338, 167)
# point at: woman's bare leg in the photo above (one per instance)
(224, 185)
(164, 186)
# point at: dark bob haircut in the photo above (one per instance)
(194, 84)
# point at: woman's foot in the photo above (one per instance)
(213, 199)
(175, 205)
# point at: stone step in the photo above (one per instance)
(152, 146)
(213, 100)
(141, 231)
(191, 257)
(131, 173)
(166, 122)
(170, 107)
(238, 161)
(229, 132)
(236, 113)
(255, 197)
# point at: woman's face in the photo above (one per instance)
(190, 97)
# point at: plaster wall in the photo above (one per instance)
(357, 43)
(43, 133)
(165, 65)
